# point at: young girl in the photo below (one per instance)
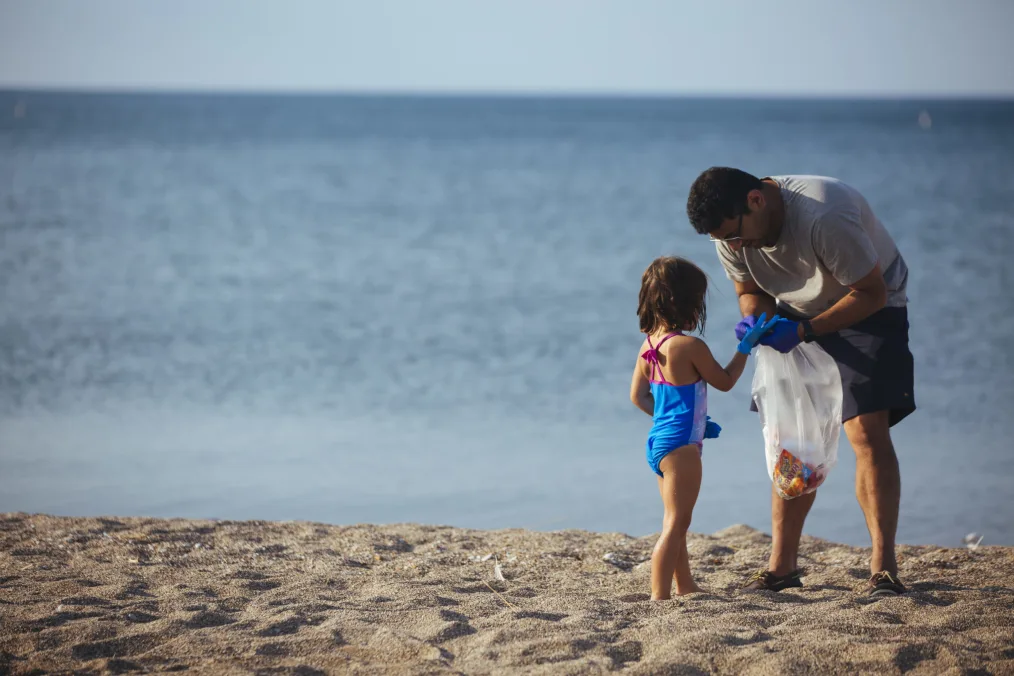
(670, 383)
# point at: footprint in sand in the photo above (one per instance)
(117, 647)
(634, 598)
(84, 601)
(140, 617)
(283, 628)
(624, 653)
(273, 650)
(548, 617)
(208, 619)
(453, 630)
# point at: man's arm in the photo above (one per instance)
(844, 248)
(865, 297)
(753, 300)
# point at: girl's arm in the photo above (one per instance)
(722, 379)
(640, 390)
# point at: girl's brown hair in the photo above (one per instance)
(672, 296)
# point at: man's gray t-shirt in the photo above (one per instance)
(830, 238)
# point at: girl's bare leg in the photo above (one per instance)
(679, 486)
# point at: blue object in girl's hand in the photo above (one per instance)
(745, 324)
(753, 336)
(712, 429)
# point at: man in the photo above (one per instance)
(813, 246)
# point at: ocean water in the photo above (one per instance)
(423, 309)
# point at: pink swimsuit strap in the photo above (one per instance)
(651, 356)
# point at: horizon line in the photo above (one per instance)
(6, 88)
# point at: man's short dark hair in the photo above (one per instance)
(717, 195)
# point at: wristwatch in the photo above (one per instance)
(808, 334)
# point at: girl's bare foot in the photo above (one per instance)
(681, 591)
(691, 589)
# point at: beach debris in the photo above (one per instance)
(622, 561)
(509, 604)
(972, 541)
(480, 559)
(499, 576)
(509, 558)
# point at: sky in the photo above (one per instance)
(629, 47)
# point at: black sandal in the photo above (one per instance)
(884, 584)
(765, 579)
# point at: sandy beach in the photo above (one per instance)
(125, 595)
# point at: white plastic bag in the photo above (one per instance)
(798, 395)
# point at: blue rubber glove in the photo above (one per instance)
(712, 429)
(745, 324)
(753, 336)
(784, 335)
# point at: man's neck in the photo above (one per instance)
(773, 196)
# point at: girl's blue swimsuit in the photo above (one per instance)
(681, 411)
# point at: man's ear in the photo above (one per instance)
(755, 200)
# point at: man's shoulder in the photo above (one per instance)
(812, 185)
(817, 198)
(782, 178)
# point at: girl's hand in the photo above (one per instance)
(754, 335)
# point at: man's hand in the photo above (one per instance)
(754, 335)
(784, 335)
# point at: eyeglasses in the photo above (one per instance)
(731, 238)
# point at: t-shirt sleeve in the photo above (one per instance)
(843, 246)
(732, 261)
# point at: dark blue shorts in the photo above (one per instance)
(876, 366)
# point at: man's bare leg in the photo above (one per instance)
(878, 484)
(787, 517)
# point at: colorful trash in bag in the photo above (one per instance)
(799, 398)
(793, 477)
